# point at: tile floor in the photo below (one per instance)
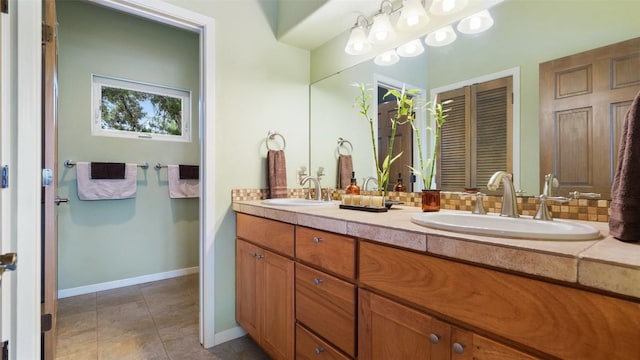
(151, 321)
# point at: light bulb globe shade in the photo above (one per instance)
(441, 37)
(413, 16)
(358, 44)
(411, 49)
(476, 23)
(446, 7)
(381, 31)
(387, 58)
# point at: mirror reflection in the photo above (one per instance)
(525, 34)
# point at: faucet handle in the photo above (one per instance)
(581, 195)
(543, 211)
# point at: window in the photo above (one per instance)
(476, 137)
(132, 109)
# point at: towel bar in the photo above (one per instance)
(159, 166)
(271, 135)
(71, 163)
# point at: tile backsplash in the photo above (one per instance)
(577, 209)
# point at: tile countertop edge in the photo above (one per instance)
(604, 264)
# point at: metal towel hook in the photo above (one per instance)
(271, 136)
(342, 144)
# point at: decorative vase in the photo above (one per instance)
(430, 200)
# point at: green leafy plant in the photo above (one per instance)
(405, 113)
(428, 168)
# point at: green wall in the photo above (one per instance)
(108, 240)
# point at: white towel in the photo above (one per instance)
(106, 189)
(181, 188)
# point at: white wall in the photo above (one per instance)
(261, 84)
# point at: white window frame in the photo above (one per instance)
(98, 81)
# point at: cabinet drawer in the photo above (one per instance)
(333, 252)
(527, 311)
(326, 305)
(310, 347)
(267, 233)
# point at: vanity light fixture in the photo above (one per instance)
(446, 7)
(476, 23)
(441, 37)
(387, 58)
(410, 49)
(413, 16)
(382, 32)
(358, 43)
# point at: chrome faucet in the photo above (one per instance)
(366, 182)
(509, 202)
(316, 182)
(550, 182)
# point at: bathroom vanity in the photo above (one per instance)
(328, 283)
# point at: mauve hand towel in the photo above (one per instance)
(624, 222)
(345, 168)
(277, 174)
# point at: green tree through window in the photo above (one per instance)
(138, 111)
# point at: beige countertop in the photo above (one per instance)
(606, 264)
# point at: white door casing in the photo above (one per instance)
(26, 205)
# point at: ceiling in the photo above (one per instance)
(308, 24)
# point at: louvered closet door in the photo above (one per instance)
(476, 137)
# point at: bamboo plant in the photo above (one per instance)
(427, 169)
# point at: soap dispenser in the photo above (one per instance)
(353, 188)
(399, 185)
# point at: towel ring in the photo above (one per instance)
(271, 135)
(342, 144)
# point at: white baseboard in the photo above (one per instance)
(228, 335)
(81, 290)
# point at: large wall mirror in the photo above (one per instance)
(526, 33)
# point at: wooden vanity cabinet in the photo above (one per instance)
(325, 288)
(264, 283)
(390, 330)
(558, 320)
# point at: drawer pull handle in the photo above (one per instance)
(458, 348)
(434, 338)
(319, 350)
(318, 281)
(258, 256)
(317, 239)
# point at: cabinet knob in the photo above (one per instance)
(319, 350)
(317, 239)
(458, 348)
(318, 281)
(258, 256)
(434, 338)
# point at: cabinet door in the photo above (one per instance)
(468, 345)
(276, 288)
(246, 294)
(388, 330)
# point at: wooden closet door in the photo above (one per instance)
(583, 102)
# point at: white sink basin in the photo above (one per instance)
(523, 227)
(295, 202)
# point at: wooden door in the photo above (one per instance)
(49, 159)
(403, 143)
(246, 292)
(583, 102)
(276, 290)
(388, 330)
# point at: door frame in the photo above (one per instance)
(29, 129)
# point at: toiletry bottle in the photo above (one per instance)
(399, 185)
(353, 188)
